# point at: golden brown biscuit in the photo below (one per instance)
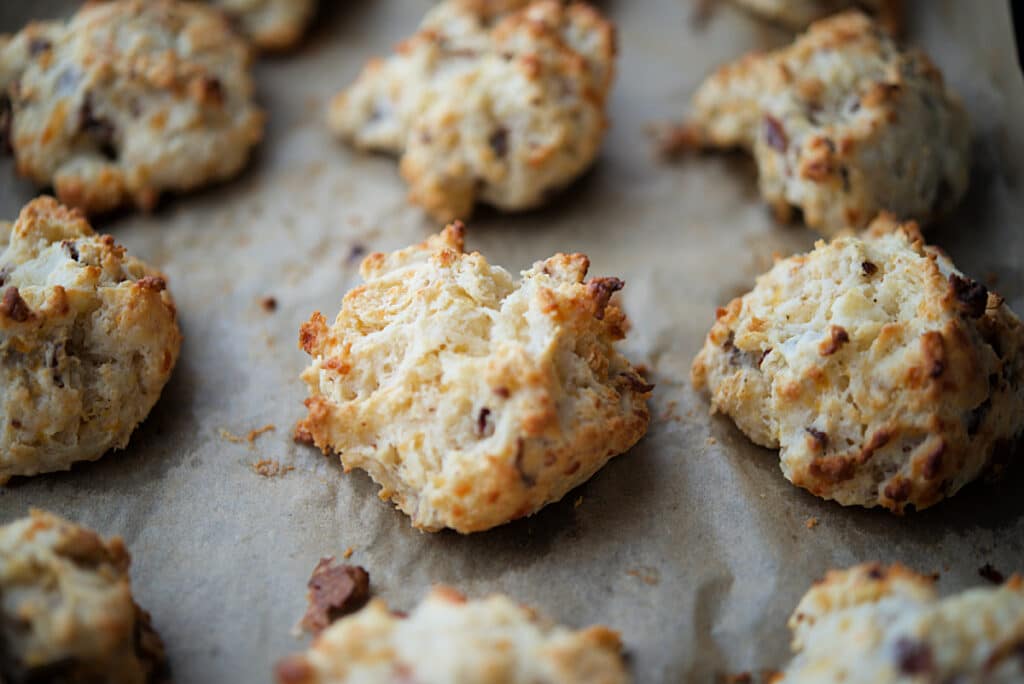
(473, 398)
(88, 338)
(884, 376)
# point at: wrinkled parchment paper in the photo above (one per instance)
(692, 545)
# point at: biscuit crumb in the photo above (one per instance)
(645, 574)
(269, 304)
(334, 592)
(253, 434)
(348, 553)
(302, 435)
(811, 523)
(231, 437)
(267, 467)
(991, 574)
(578, 502)
(710, 441)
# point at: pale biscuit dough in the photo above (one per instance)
(471, 398)
(271, 24)
(797, 14)
(88, 338)
(504, 109)
(448, 639)
(843, 124)
(880, 625)
(883, 375)
(66, 608)
(126, 100)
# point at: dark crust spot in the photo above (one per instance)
(837, 337)
(820, 438)
(601, 290)
(98, 128)
(764, 355)
(971, 295)
(481, 422)
(934, 350)
(636, 384)
(868, 268)
(932, 462)
(334, 592)
(991, 574)
(37, 46)
(72, 249)
(878, 440)
(502, 392)
(499, 142)
(914, 657)
(14, 307)
(774, 134)
(974, 419)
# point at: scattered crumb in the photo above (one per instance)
(271, 468)
(269, 304)
(991, 574)
(334, 592)
(578, 502)
(673, 140)
(302, 435)
(647, 575)
(711, 441)
(348, 553)
(811, 523)
(670, 411)
(231, 437)
(253, 434)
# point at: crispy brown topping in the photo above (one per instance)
(820, 438)
(991, 574)
(971, 295)
(914, 657)
(832, 468)
(14, 307)
(154, 283)
(837, 337)
(334, 592)
(636, 383)
(878, 440)
(481, 423)
(499, 142)
(269, 304)
(774, 133)
(869, 268)
(601, 290)
(934, 352)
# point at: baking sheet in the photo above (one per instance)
(693, 545)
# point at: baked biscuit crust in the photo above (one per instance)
(271, 24)
(797, 14)
(883, 375)
(873, 624)
(503, 109)
(449, 639)
(67, 608)
(473, 399)
(843, 124)
(127, 100)
(88, 338)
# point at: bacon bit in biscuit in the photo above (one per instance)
(154, 283)
(991, 574)
(869, 268)
(774, 133)
(811, 523)
(482, 425)
(269, 468)
(971, 296)
(14, 307)
(334, 592)
(914, 657)
(837, 337)
(601, 291)
(269, 304)
(820, 438)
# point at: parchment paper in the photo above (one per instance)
(693, 545)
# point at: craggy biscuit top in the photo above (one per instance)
(473, 399)
(88, 338)
(843, 124)
(271, 24)
(884, 375)
(66, 608)
(448, 639)
(126, 100)
(480, 105)
(875, 625)
(797, 14)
